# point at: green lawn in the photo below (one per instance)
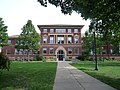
(109, 71)
(28, 76)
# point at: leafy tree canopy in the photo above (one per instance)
(104, 14)
(3, 33)
(29, 39)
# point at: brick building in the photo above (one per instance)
(57, 41)
(60, 41)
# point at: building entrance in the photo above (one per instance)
(60, 55)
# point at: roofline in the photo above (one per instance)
(59, 25)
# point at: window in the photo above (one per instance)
(21, 51)
(69, 30)
(25, 51)
(69, 39)
(60, 30)
(30, 52)
(44, 50)
(76, 39)
(9, 42)
(7, 51)
(60, 40)
(45, 30)
(75, 30)
(51, 40)
(69, 50)
(16, 51)
(44, 39)
(51, 51)
(104, 51)
(51, 30)
(76, 50)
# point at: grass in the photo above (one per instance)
(109, 71)
(28, 76)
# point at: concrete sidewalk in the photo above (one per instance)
(70, 78)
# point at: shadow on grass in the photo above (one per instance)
(13, 81)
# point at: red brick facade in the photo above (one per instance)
(61, 41)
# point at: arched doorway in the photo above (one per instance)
(60, 55)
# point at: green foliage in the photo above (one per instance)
(29, 39)
(39, 58)
(3, 33)
(29, 76)
(81, 58)
(104, 14)
(4, 62)
(87, 45)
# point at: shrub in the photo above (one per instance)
(39, 58)
(4, 62)
(80, 57)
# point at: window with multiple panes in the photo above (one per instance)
(60, 30)
(51, 40)
(76, 39)
(60, 40)
(51, 30)
(44, 30)
(69, 30)
(25, 51)
(44, 50)
(69, 50)
(75, 30)
(69, 39)
(44, 39)
(21, 51)
(76, 50)
(7, 51)
(51, 50)
(16, 51)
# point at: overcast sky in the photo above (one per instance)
(15, 14)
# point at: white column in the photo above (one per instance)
(56, 39)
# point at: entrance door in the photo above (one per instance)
(60, 55)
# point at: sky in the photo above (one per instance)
(16, 13)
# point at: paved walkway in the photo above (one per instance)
(70, 78)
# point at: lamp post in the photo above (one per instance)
(95, 56)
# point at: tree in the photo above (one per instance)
(3, 33)
(87, 42)
(104, 14)
(29, 39)
(4, 61)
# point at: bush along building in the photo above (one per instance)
(58, 42)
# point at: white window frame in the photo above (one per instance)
(50, 50)
(51, 40)
(43, 50)
(51, 30)
(75, 30)
(69, 30)
(45, 30)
